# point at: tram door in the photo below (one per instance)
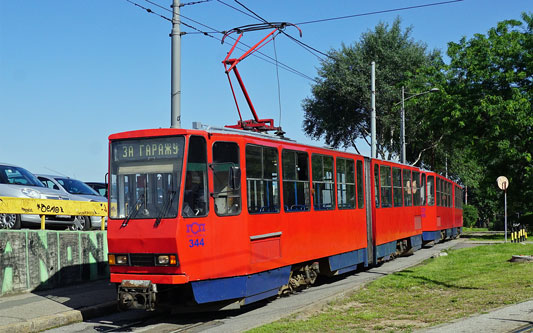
(263, 204)
(227, 223)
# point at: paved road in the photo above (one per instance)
(516, 318)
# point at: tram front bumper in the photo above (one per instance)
(137, 294)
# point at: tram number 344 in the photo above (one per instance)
(196, 242)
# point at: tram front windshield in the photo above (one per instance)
(145, 177)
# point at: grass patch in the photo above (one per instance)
(466, 282)
(482, 234)
(489, 237)
(467, 230)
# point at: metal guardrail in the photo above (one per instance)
(44, 207)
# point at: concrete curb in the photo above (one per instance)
(99, 310)
(61, 319)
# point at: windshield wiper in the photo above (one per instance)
(164, 211)
(136, 208)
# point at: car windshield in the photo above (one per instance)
(74, 186)
(145, 177)
(18, 176)
(100, 188)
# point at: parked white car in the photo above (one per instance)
(18, 182)
(78, 191)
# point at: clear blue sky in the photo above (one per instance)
(73, 72)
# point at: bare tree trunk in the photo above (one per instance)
(433, 145)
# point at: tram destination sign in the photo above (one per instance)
(148, 149)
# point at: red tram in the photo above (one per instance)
(228, 217)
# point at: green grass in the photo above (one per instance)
(489, 237)
(467, 230)
(482, 234)
(467, 281)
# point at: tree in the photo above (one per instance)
(470, 216)
(490, 81)
(478, 127)
(339, 108)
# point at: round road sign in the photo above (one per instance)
(503, 183)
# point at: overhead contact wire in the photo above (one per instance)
(266, 58)
(379, 12)
(300, 43)
(193, 3)
(148, 10)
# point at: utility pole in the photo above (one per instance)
(403, 125)
(175, 85)
(446, 163)
(373, 111)
(403, 116)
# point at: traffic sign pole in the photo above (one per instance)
(503, 184)
(505, 209)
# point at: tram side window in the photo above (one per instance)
(296, 193)
(345, 183)
(449, 194)
(195, 200)
(262, 179)
(423, 190)
(459, 198)
(376, 185)
(226, 178)
(444, 193)
(415, 188)
(430, 192)
(386, 188)
(397, 186)
(323, 182)
(439, 203)
(456, 195)
(407, 191)
(360, 186)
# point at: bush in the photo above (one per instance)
(470, 216)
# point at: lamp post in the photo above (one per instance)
(403, 115)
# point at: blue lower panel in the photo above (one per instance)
(347, 260)
(448, 233)
(258, 297)
(346, 269)
(429, 236)
(386, 249)
(220, 289)
(273, 279)
(253, 287)
(416, 242)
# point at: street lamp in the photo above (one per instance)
(403, 115)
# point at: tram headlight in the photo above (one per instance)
(163, 260)
(166, 260)
(117, 259)
(122, 259)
